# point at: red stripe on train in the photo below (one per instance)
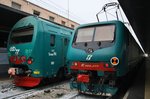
(92, 66)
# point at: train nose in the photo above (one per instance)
(11, 71)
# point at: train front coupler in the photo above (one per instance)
(18, 71)
(87, 84)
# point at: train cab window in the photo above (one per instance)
(85, 35)
(22, 35)
(96, 33)
(104, 33)
(52, 40)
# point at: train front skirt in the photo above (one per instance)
(93, 88)
(26, 81)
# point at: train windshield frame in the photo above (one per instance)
(22, 35)
(100, 33)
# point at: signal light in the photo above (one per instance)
(30, 60)
(74, 63)
(106, 65)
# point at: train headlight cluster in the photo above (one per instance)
(74, 63)
(114, 61)
(30, 60)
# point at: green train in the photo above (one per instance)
(99, 54)
(37, 49)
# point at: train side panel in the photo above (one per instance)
(55, 48)
(134, 52)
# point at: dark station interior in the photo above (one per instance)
(137, 12)
(8, 18)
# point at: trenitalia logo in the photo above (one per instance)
(89, 57)
(14, 49)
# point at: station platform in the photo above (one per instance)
(4, 77)
(4, 71)
(140, 89)
(147, 79)
(4, 63)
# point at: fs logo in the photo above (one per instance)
(89, 57)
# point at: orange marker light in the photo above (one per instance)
(114, 61)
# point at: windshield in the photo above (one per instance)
(98, 33)
(21, 35)
(85, 35)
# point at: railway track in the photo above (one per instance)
(60, 89)
(76, 95)
(72, 95)
(23, 94)
(27, 93)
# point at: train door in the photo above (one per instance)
(64, 50)
(62, 58)
(65, 41)
(53, 53)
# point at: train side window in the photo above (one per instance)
(52, 40)
(65, 41)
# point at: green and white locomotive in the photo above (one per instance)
(99, 54)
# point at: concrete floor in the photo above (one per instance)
(147, 79)
(3, 71)
(140, 88)
(137, 89)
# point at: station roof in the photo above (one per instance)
(9, 17)
(138, 14)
